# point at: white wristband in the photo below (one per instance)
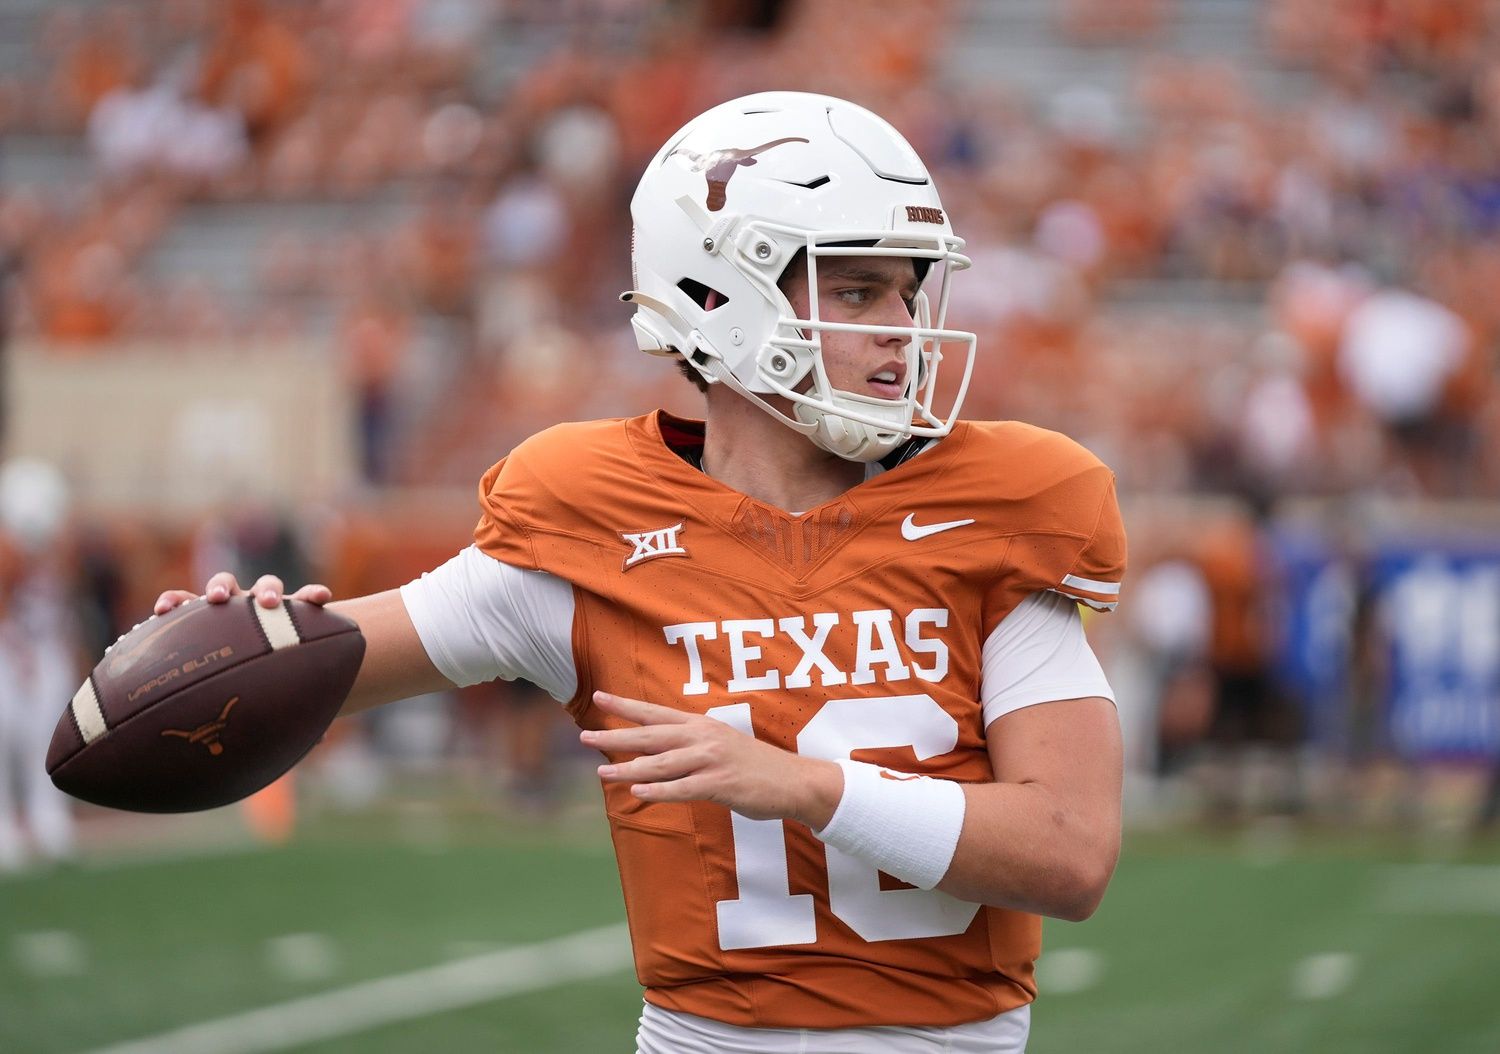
(905, 825)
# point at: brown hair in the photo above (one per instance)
(687, 370)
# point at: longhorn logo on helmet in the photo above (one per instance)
(721, 165)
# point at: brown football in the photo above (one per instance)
(205, 705)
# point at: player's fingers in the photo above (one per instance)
(638, 710)
(651, 768)
(688, 788)
(638, 739)
(268, 590)
(313, 593)
(171, 599)
(221, 587)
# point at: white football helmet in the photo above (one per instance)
(722, 210)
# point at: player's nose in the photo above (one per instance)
(894, 311)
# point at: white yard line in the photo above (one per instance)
(121, 860)
(1438, 889)
(403, 997)
(1324, 976)
(50, 953)
(1064, 971)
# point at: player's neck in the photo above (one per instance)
(747, 449)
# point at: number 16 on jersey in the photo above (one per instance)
(766, 913)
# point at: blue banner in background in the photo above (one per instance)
(1437, 630)
(1440, 614)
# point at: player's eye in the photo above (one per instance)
(854, 295)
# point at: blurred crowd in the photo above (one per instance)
(498, 142)
(1266, 278)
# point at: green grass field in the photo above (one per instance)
(1214, 944)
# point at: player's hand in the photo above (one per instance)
(267, 590)
(690, 757)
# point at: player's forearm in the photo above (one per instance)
(395, 665)
(1025, 847)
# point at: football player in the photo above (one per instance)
(827, 638)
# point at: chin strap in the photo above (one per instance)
(854, 440)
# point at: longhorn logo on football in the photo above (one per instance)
(207, 733)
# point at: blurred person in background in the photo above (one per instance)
(1171, 616)
(530, 718)
(1255, 730)
(15, 757)
(374, 344)
(38, 659)
(515, 722)
(101, 585)
(526, 228)
(91, 57)
(1373, 760)
(256, 64)
(156, 129)
(85, 295)
(823, 521)
(1399, 355)
(249, 536)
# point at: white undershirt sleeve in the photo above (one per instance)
(480, 619)
(1039, 654)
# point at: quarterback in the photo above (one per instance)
(827, 639)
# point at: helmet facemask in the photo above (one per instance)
(853, 425)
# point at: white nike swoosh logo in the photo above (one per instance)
(911, 531)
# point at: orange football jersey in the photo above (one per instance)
(852, 630)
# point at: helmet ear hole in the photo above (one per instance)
(707, 298)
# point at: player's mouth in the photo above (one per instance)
(888, 382)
